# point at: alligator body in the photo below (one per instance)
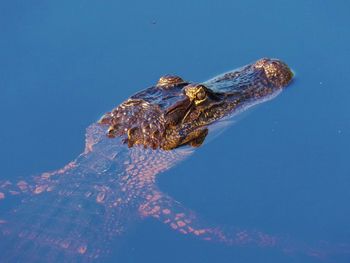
(78, 213)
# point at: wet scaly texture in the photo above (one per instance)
(174, 113)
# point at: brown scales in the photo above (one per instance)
(174, 112)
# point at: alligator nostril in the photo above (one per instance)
(277, 72)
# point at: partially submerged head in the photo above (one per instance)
(175, 112)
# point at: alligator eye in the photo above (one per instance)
(196, 93)
(201, 94)
(169, 81)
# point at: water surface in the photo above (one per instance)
(283, 168)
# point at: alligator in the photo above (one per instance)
(78, 213)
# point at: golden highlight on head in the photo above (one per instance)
(277, 72)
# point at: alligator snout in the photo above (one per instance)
(277, 72)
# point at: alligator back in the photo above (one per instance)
(74, 214)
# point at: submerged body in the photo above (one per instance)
(80, 212)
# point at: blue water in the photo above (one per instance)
(283, 168)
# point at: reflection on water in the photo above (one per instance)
(283, 169)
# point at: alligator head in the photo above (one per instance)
(175, 112)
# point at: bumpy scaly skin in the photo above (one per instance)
(77, 213)
(175, 113)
